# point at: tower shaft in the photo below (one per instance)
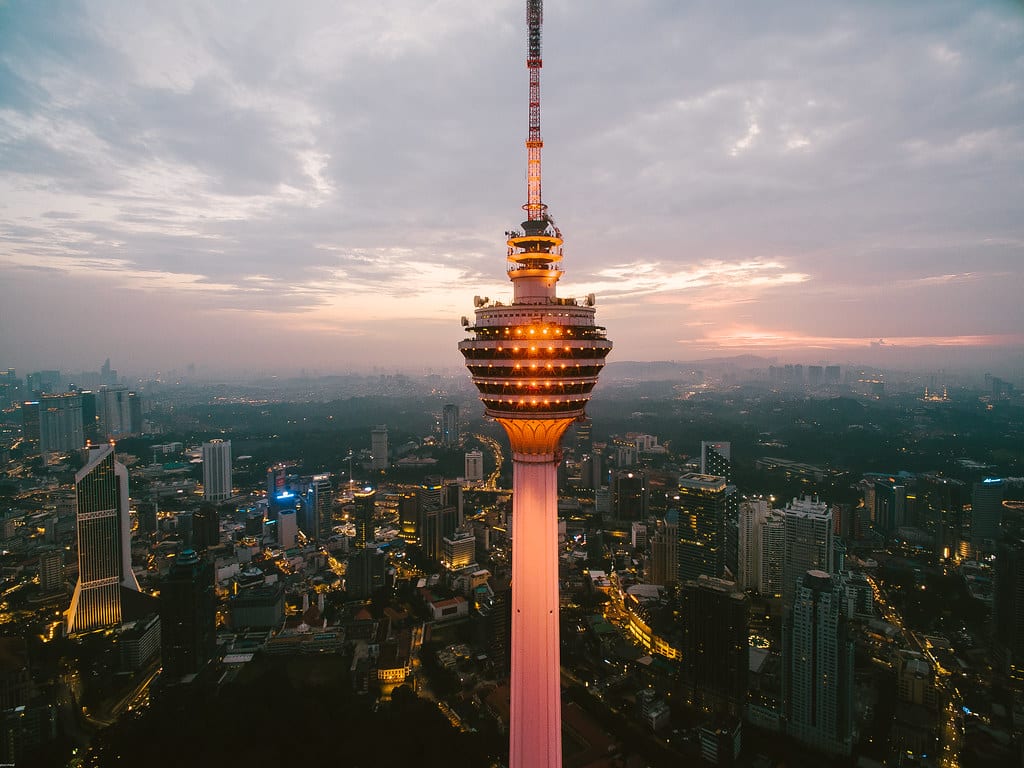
(535, 706)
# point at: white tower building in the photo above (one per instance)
(217, 470)
(379, 447)
(535, 361)
(808, 542)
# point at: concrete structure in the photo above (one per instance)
(716, 458)
(665, 551)
(459, 550)
(818, 655)
(474, 466)
(450, 426)
(986, 514)
(772, 555)
(217, 470)
(188, 615)
(51, 571)
(715, 646)
(702, 525)
(379, 447)
(60, 423)
(119, 412)
(808, 526)
(104, 542)
(535, 362)
(753, 514)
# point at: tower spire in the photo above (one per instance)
(535, 208)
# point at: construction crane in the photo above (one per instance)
(535, 209)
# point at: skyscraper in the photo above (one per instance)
(986, 514)
(941, 502)
(630, 494)
(187, 615)
(205, 527)
(104, 542)
(1008, 603)
(753, 514)
(808, 531)
(60, 423)
(217, 470)
(716, 459)
(702, 525)
(319, 508)
(535, 362)
(379, 447)
(890, 504)
(364, 520)
(818, 654)
(119, 411)
(30, 426)
(772, 555)
(716, 645)
(450, 426)
(665, 551)
(474, 466)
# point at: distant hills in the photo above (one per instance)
(661, 370)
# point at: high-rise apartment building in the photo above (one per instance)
(104, 542)
(474, 466)
(51, 571)
(772, 555)
(715, 645)
(119, 412)
(379, 447)
(809, 543)
(60, 423)
(217, 471)
(753, 514)
(818, 657)
(30, 426)
(450, 426)
(702, 525)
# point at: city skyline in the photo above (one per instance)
(321, 188)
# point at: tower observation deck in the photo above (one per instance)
(535, 362)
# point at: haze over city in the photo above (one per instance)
(326, 187)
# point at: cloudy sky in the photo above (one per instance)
(261, 186)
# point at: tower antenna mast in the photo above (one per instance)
(535, 209)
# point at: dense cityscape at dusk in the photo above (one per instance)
(255, 509)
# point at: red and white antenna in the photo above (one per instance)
(535, 209)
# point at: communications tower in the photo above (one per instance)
(535, 362)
